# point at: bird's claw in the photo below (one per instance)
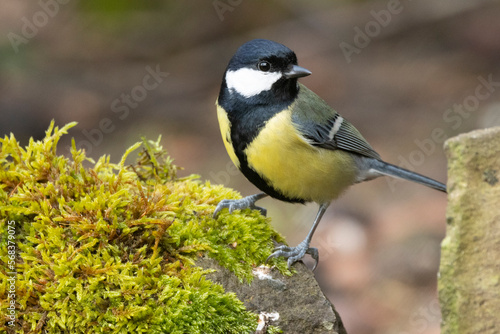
(240, 204)
(294, 254)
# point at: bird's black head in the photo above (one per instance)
(262, 72)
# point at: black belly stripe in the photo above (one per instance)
(247, 117)
(241, 136)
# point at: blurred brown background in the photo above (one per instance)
(408, 74)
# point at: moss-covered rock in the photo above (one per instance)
(110, 248)
(469, 274)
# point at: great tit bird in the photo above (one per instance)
(287, 141)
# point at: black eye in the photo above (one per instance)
(264, 66)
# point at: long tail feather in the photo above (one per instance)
(395, 171)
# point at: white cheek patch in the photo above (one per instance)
(249, 82)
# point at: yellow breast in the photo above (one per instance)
(297, 169)
(225, 129)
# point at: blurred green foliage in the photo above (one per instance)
(120, 6)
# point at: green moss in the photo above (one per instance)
(111, 248)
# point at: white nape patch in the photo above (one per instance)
(335, 127)
(249, 82)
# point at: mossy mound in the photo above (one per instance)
(111, 248)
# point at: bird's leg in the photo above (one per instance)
(239, 204)
(294, 254)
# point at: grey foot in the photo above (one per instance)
(294, 254)
(240, 204)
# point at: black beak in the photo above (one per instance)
(296, 72)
